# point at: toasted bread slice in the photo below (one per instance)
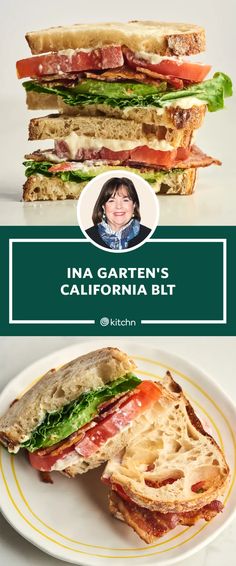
(110, 448)
(175, 466)
(117, 443)
(163, 38)
(57, 388)
(39, 187)
(56, 126)
(172, 117)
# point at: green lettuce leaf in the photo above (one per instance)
(88, 173)
(60, 424)
(122, 95)
(212, 91)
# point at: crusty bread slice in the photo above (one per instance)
(177, 448)
(176, 39)
(172, 117)
(38, 187)
(117, 443)
(59, 387)
(57, 126)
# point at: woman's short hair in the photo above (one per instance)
(109, 189)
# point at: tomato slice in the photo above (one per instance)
(144, 395)
(45, 462)
(193, 72)
(92, 437)
(158, 158)
(107, 57)
(109, 155)
(142, 154)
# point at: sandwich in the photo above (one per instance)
(126, 97)
(174, 473)
(80, 415)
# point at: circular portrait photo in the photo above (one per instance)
(118, 211)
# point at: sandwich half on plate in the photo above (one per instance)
(173, 474)
(127, 96)
(80, 415)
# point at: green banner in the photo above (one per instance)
(57, 282)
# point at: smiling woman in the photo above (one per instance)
(116, 216)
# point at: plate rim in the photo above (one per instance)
(205, 377)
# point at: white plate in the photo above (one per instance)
(70, 519)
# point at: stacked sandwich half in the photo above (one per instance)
(126, 96)
(163, 468)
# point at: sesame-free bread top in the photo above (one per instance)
(57, 388)
(178, 448)
(172, 39)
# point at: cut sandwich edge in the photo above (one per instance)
(216, 489)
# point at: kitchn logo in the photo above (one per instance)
(105, 321)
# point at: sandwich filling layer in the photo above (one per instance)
(59, 425)
(151, 167)
(112, 417)
(125, 94)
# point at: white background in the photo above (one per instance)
(216, 356)
(214, 201)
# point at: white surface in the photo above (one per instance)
(214, 201)
(215, 355)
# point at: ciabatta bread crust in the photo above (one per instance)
(175, 448)
(57, 388)
(41, 188)
(163, 38)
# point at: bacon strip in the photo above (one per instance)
(45, 477)
(104, 410)
(173, 81)
(196, 159)
(124, 74)
(151, 482)
(150, 525)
